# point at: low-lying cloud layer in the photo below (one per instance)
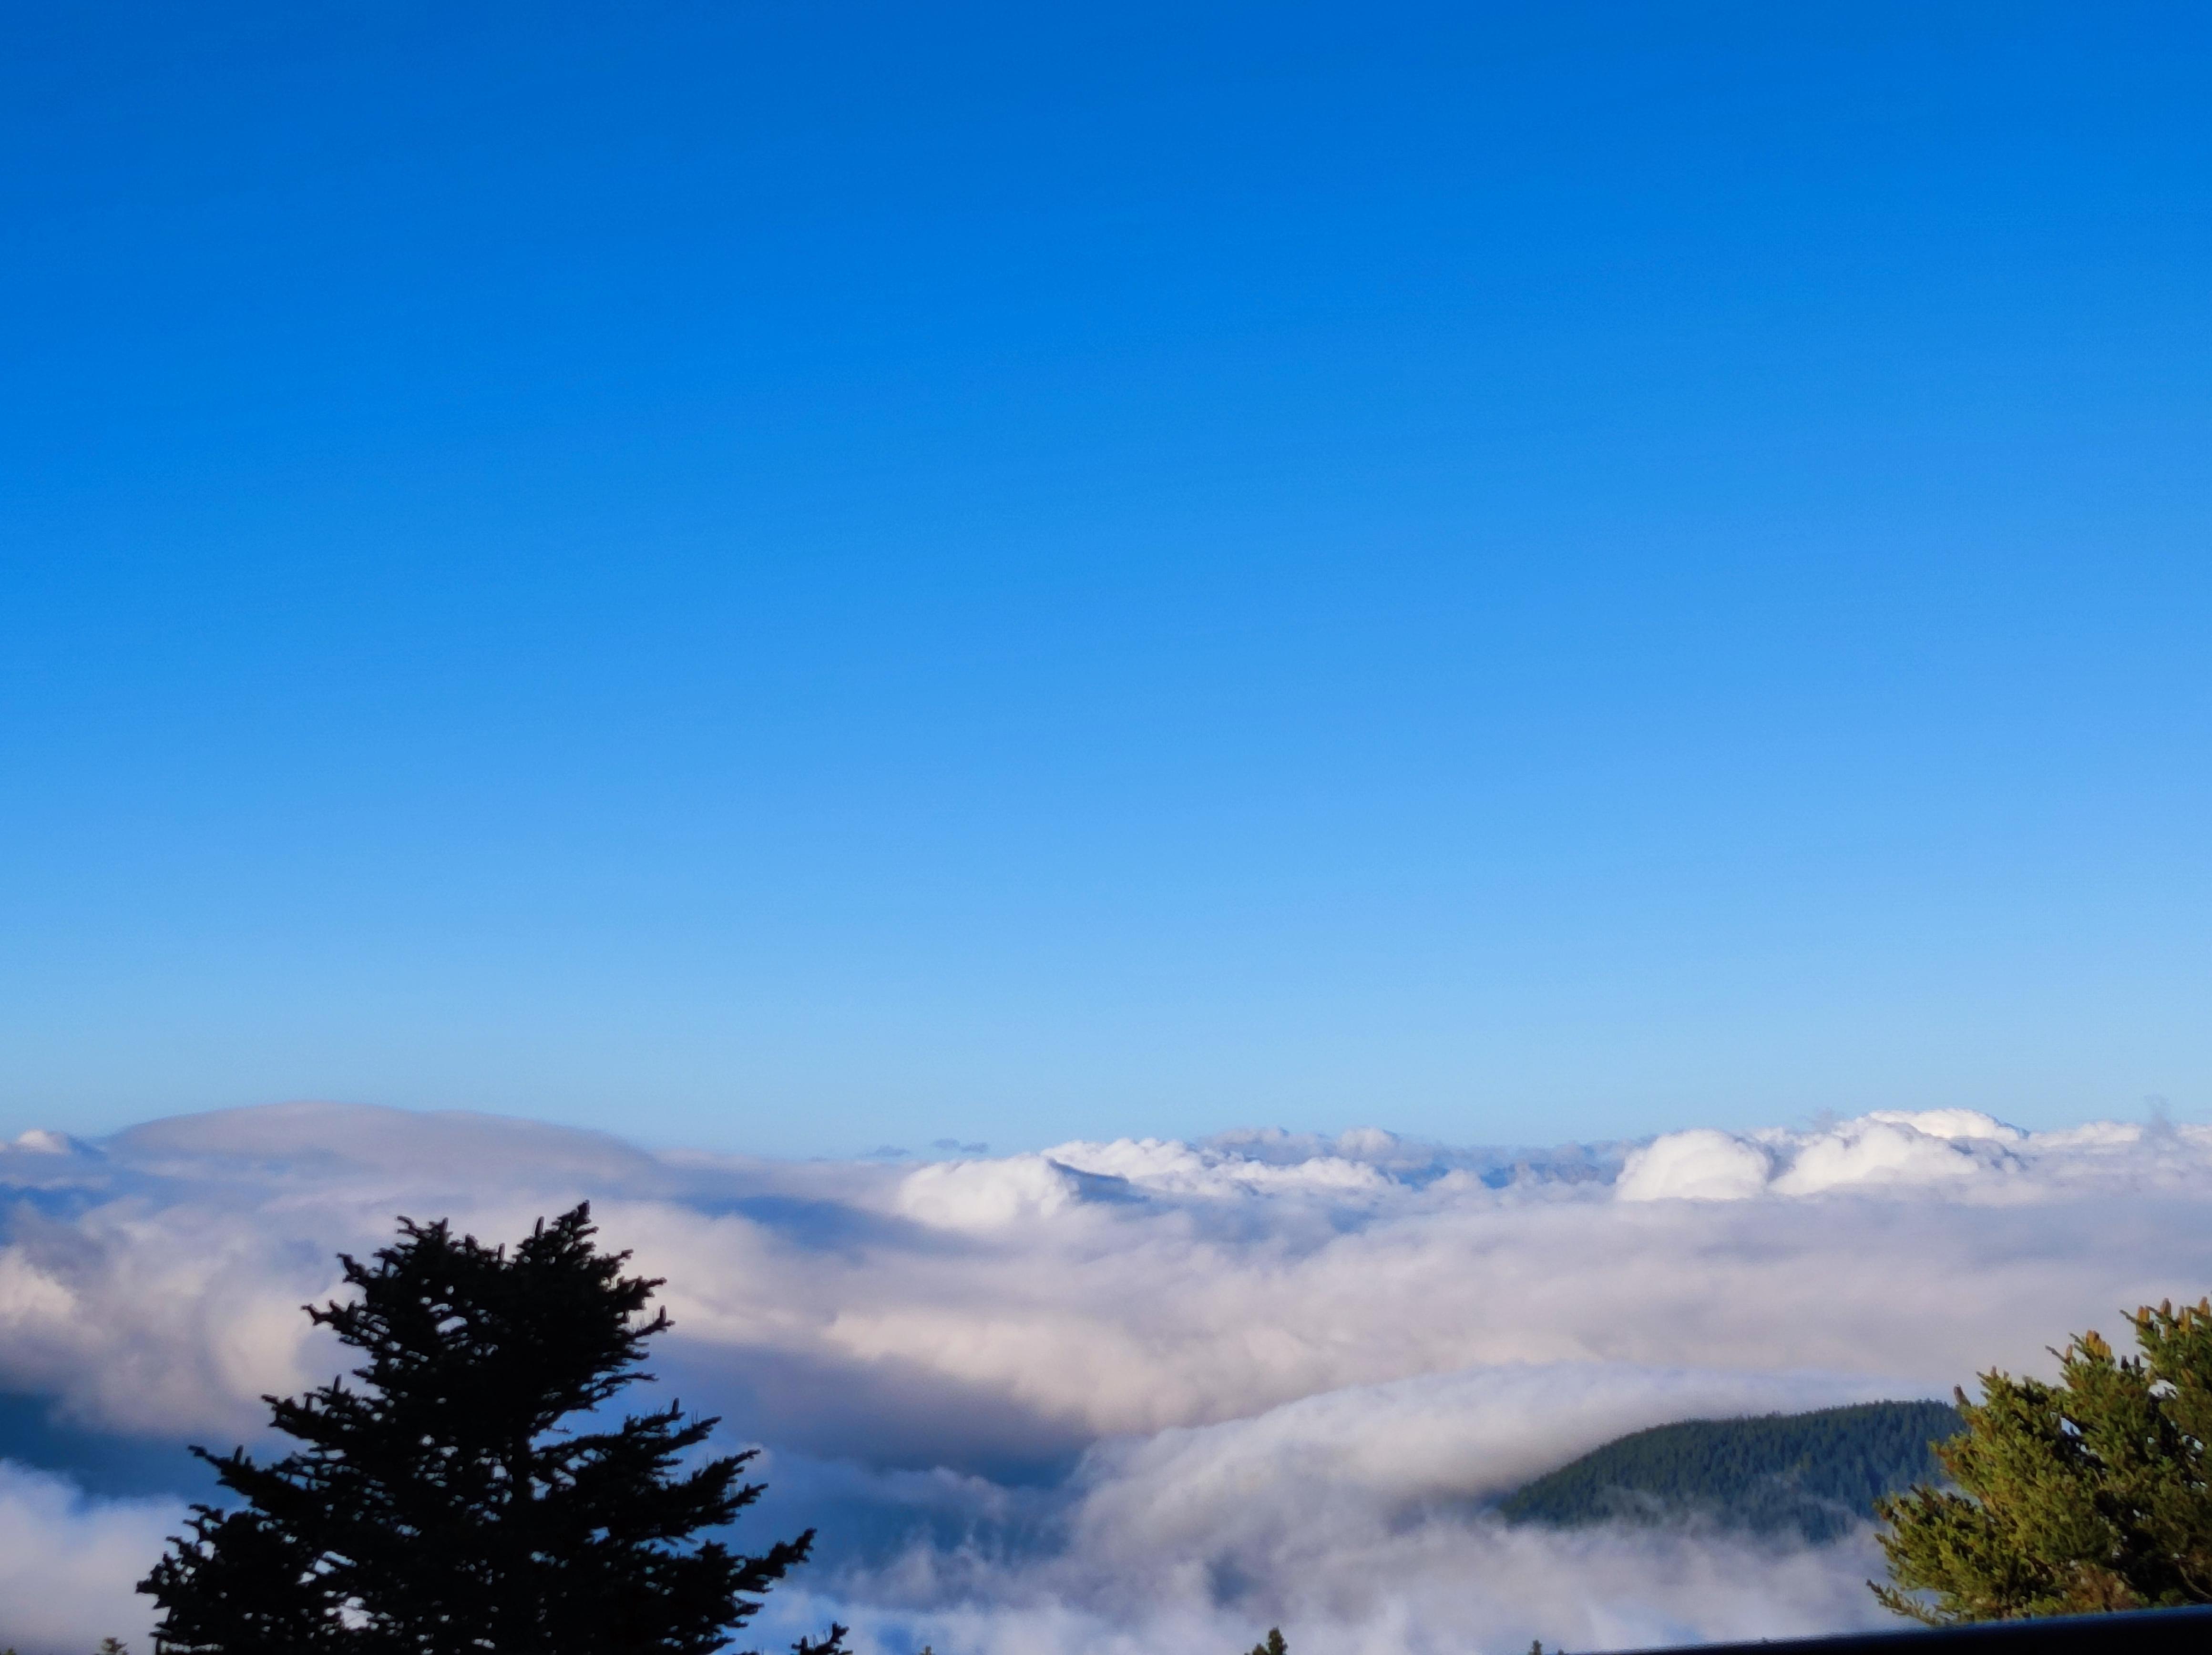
(1142, 1394)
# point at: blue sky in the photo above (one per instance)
(797, 578)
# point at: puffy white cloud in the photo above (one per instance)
(1699, 1165)
(1288, 1369)
(1892, 1151)
(1953, 1124)
(1166, 1167)
(987, 1195)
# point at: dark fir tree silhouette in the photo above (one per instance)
(442, 1506)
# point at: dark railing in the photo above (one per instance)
(2140, 1632)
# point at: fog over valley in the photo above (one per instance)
(1114, 1395)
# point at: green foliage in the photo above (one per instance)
(1813, 1475)
(1272, 1644)
(2087, 1495)
(443, 1505)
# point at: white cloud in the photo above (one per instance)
(1699, 1165)
(1892, 1151)
(987, 1195)
(1167, 1167)
(1292, 1367)
(1354, 1520)
(67, 1564)
(1437, 1585)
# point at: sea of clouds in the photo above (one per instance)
(1138, 1395)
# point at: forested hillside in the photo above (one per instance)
(1813, 1474)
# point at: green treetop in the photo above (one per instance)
(2085, 1495)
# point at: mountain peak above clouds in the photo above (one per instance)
(40, 1142)
(42, 1160)
(1953, 1153)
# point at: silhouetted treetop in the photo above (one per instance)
(441, 1504)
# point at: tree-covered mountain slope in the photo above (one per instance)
(1813, 1474)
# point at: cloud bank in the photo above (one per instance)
(1141, 1394)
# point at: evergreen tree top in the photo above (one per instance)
(447, 1503)
(2073, 1498)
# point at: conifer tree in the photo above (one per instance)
(2072, 1497)
(441, 1505)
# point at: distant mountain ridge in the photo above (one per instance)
(1814, 1476)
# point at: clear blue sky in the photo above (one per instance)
(798, 576)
